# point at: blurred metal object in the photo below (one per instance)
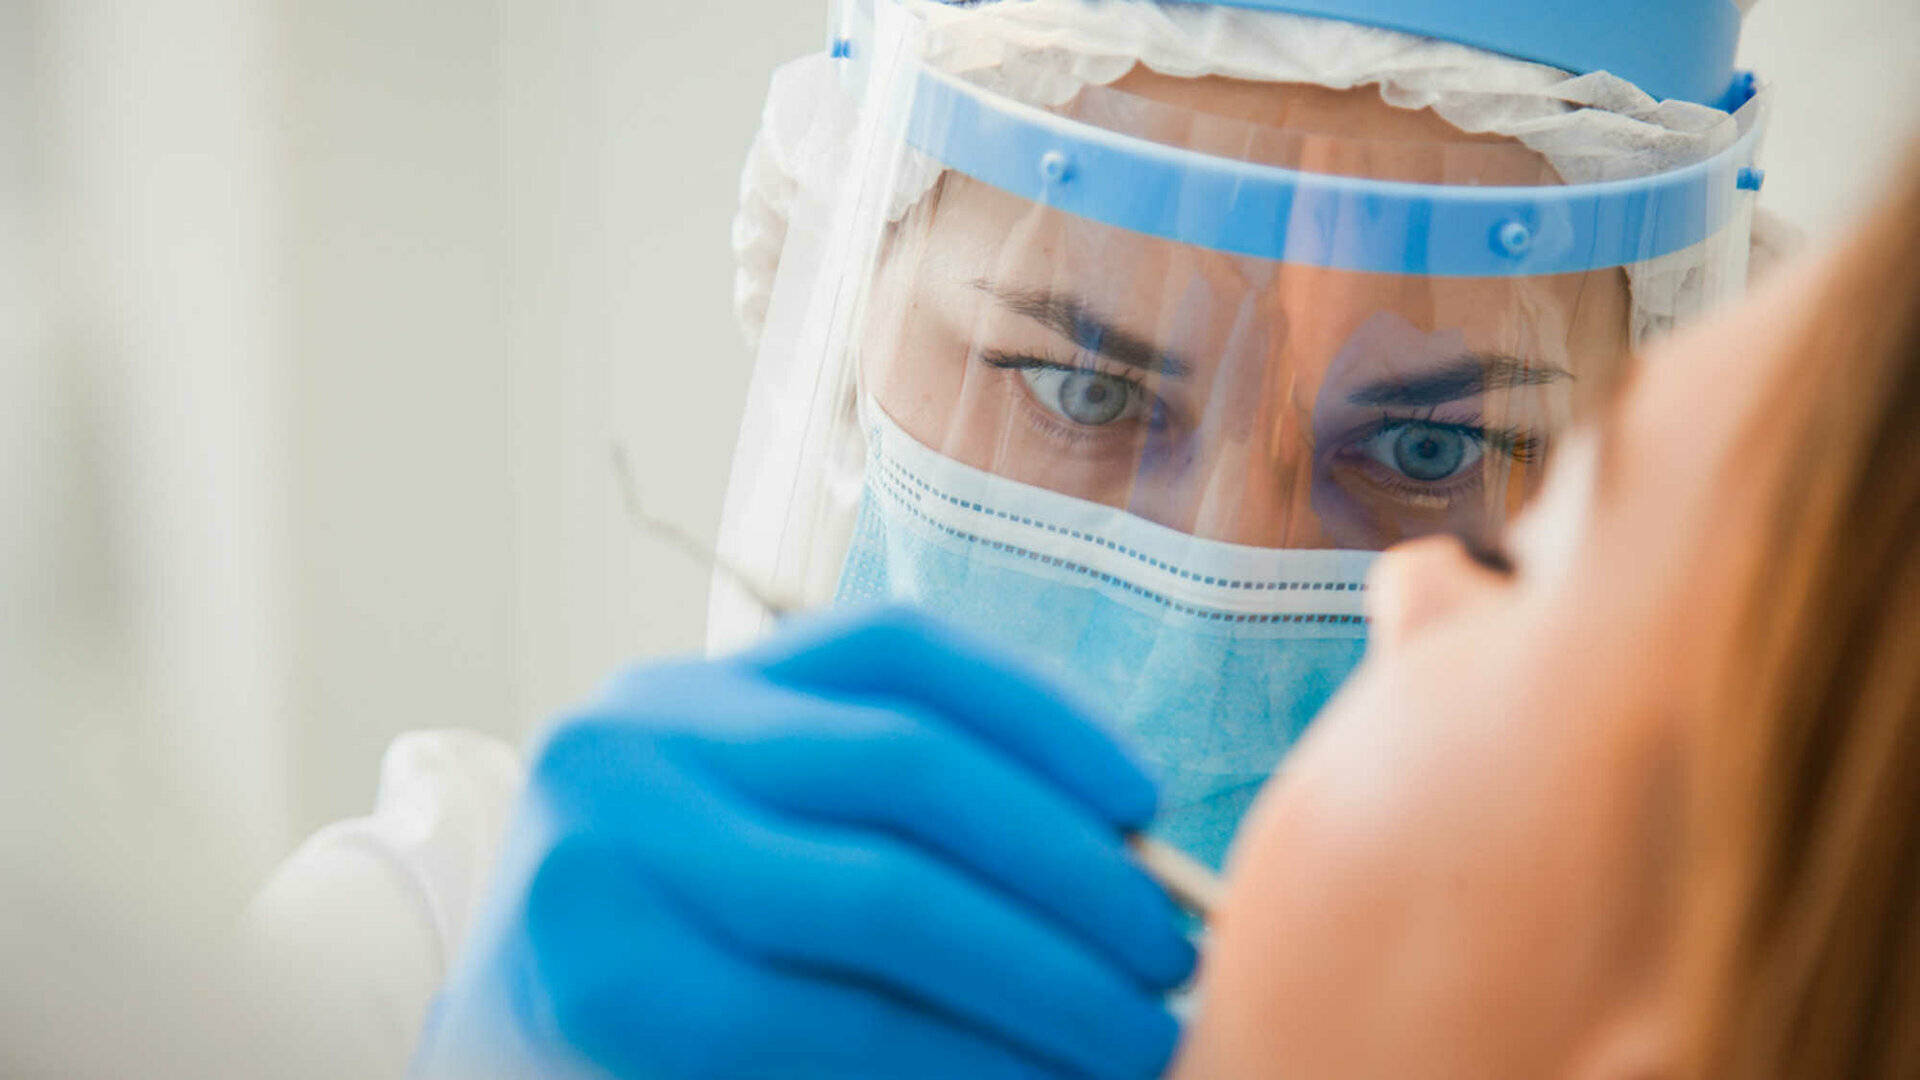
(700, 551)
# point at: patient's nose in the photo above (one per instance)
(1418, 583)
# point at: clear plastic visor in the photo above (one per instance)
(1274, 316)
(1260, 400)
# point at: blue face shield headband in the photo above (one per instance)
(1320, 219)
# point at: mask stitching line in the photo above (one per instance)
(1242, 584)
(1318, 619)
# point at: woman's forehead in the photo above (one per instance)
(982, 242)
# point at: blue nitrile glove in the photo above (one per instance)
(868, 848)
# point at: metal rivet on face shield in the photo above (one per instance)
(1055, 168)
(1751, 178)
(1513, 238)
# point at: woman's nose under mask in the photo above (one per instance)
(1207, 658)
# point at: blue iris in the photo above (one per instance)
(1429, 453)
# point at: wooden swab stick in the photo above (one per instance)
(1192, 886)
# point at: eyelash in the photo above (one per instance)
(1513, 443)
(1516, 444)
(1158, 409)
(1007, 361)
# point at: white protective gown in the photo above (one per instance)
(363, 920)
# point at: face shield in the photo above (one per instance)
(1135, 382)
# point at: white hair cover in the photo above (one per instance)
(1589, 127)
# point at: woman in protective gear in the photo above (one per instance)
(1114, 339)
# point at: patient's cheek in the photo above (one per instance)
(1252, 1014)
(1329, 886)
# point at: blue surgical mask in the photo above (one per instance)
(1208, 658)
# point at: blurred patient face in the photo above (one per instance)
(1466, 869)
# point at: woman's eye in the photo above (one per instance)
(1428, 453)
(1089, 398)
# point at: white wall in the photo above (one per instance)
(1848, 74)
(508, 247)
(142, 341)
(507, 238)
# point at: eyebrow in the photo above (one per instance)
(1071, 318)
(1463, 376)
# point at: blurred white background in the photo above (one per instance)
(350, 296)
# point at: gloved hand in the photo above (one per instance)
(869, 848)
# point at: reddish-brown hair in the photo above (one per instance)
(1803, 922)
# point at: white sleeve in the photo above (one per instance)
(360, 924)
